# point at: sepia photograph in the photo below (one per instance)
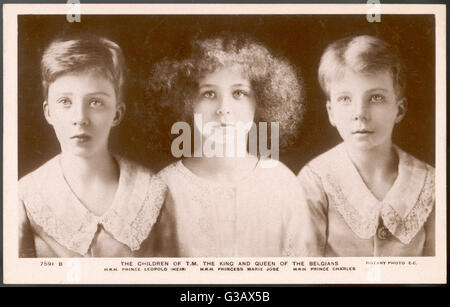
(224, 144)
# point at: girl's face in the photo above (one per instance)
(364, 109)
(225, 100)
(82, 108)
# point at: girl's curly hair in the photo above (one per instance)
(277, 86)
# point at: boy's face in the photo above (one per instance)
(82, 108)
(225, 97)
(364, 109)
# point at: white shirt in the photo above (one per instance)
(343, 217)
(254, 217)
(54, 222)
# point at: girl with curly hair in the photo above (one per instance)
(229, 202)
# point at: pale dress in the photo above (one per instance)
(54, 223)
(343, 217)
(256, 216)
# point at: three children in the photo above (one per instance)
(365, 197)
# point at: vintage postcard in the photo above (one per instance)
(224, 143)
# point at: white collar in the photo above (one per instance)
(52, 205)
(404, 209)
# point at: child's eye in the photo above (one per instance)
(376, 98)
(65, 102)
(96, 103)
(238, 94)
(209, 94)
(344, 99)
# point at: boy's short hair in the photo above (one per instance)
(82, 53)
(277, 85)
(362, 54)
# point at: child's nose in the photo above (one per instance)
(224, 107)
(79, 116)
(360, 111)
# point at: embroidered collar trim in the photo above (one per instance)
(53, 206)
(404, 209)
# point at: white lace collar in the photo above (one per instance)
(52, 205)
(404, 209)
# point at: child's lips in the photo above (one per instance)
(82, 137)
(227, 125)
(362, 131)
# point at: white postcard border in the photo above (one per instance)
(72, 271)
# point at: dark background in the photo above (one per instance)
(146, 39)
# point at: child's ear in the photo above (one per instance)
(47, 112)
(120, 112)
(402, 105)
(330, 114)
